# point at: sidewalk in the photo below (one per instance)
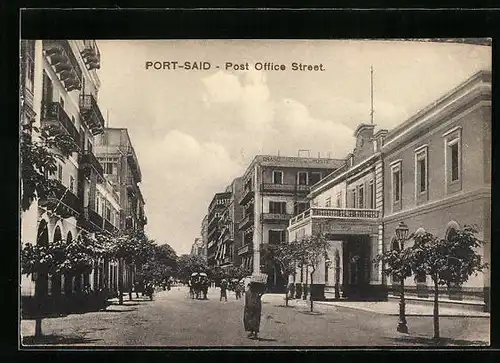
(383, 307)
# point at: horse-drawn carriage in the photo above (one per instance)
(198, 285)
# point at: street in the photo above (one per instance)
(173, 319)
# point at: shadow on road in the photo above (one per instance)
(265, 339)
(437, 342)
(283, 306)
(57, 339)
(307, 312)
(116, 310)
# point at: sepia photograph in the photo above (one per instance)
(255, 193)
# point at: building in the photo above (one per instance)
(274, 189)
(217, 206)
(114, 151)
(347, 206)
(198, 249)
(230, 240)
(437, 172)
(59, 87)
(432, 172)
(204, 234)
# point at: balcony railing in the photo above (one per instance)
(91, 114)
(275, 217)
(89, 160)
(248, 194)
(62, 201)
(108, 226)
(246, 221)
(340, 213)
(285, 188)
(244, 249)
(91, 55)
(96, 221)
(53, 113)
(64, 62)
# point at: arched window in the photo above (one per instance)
(454, 290)
(55, 280)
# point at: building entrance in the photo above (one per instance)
(356, 267)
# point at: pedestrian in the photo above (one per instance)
(137, 288)
(223, 290)
(253, 308)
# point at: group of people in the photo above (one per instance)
(232, 285)
(198, 286)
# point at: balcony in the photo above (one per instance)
(53, 113)
(89, 161)
(91, 55)
(62, 201)
(108, 226)
(336, 213)
(285, 188)
(92, 220)
(244, 249)
(248, 194)
(64, 62)
(91, 114)
(246, 221)
(275, 217)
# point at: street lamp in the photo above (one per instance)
(402, 235)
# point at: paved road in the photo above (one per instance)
(173, 319)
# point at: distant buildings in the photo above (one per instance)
(217, 206)
(204, 235)
(198, 249)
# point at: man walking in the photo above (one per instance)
(223, 290)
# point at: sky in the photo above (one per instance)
(194, 131)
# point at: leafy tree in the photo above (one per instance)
(447, 261)
(187, 264)
(286, 255)
(161, 266)
(41, 149)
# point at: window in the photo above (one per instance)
(61, 101)
(89, 145)
(71, 183)
(315, 177)
(59, 172)
(361, 196)
(339, 199)
(97, 204)
(396, 175)
(30, 72)
(328, 202)
(453, 159)
(73, 120)
(421, 174)
(277, 207)
(276, 237)
(108, 213)
(108, 168)
(353, 201)
(277, 177)
(302, 178)
(372, 194)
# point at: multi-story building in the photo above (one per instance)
(274, 189)
(229, 239)
(215, 210)
(121, 170)
(198, 249)
(204, 234)
(59, 87)
(346, 207)
(432, 172)
(437, 173)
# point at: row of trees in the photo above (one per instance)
(448, 262)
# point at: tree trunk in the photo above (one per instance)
(129, 283)
(436, 309)
(120, 281)
(310, 292)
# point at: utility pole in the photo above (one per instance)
(371, 94)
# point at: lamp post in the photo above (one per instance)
(328, 263)
(402, 235)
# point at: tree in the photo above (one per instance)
(41, 149)
(56, 258)
(286, 255)
(187, 264)
(447, 261)
(161, 266)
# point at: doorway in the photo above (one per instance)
(357, 266)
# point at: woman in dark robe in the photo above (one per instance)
(253, 308)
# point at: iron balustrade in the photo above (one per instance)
(91, 54)
(343, 213)
(91, 114)
(244, 249)
(247, 195)
(54, 113)
(88, 159)
(62, 201)
(94, 218)
(285, 188)
(248, 219)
